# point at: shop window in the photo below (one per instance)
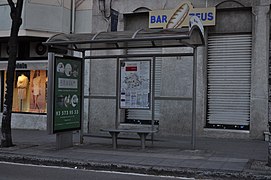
(30, 91)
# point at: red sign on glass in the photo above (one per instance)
(131, 68)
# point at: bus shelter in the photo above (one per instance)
(121, 41)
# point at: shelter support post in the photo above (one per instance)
(194, 115)
(50, 93)
(153, 97)
(117, 93)
(82, 101)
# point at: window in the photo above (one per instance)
(30, 91)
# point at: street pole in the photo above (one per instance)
(269, 141)
(269, 111)
(269, 117)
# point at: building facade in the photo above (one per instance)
(232, 67)
(232, 73)
(41, 20)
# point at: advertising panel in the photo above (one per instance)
(179, 17)
(67, 94)
(135, 84)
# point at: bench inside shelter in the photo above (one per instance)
(142, 134)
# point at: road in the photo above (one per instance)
(14, 171)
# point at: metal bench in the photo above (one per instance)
(142, 134)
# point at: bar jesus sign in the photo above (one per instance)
(179, 17)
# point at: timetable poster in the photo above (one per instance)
(135, 84)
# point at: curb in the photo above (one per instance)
(184, 172)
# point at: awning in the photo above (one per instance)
(151, 38)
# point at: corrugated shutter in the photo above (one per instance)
(229, 79)
(145, 115)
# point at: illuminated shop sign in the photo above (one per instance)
(21, 66)
(179, 17)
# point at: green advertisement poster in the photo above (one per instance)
(67, 94)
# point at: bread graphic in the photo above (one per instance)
(178, 16)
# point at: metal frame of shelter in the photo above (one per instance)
(124, 40)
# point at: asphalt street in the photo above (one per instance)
(15, 171)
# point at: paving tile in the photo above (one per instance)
(191, 163)
(213, 165)
(236, 166)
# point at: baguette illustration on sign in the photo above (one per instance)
(179, 17)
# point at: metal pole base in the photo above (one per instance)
(64, 140)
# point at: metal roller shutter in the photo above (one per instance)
(229, 79)
(144, 116)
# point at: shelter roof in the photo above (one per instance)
(150, 38)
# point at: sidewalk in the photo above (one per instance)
(212, 159)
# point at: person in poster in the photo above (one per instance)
(36, 88)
